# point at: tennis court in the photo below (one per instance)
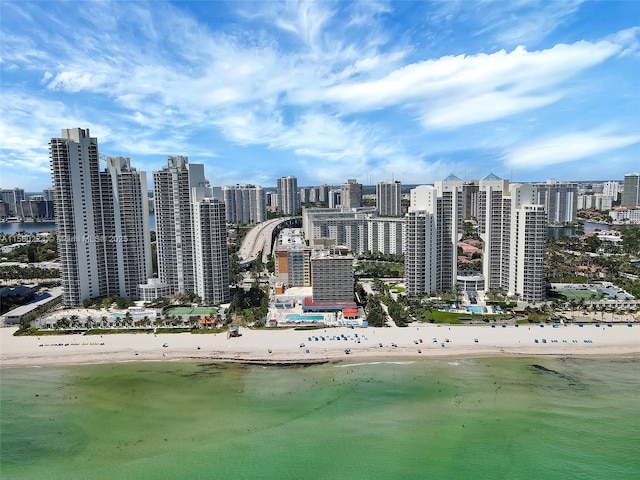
(577, 295)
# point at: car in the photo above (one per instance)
(165, 345)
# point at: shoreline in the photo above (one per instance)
(300, 348)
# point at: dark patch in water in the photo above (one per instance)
(572, 382)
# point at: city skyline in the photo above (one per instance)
(327, 91)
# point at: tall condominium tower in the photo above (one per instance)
(631, 190)
(211, 259)
(420, 257)
(245, 204)
(388, 198)
(126, 222)
(449, 215)
(494, 218)
(351, 194)
(512, 223)
(528, 237)
(560, 200)
(288, 200)
(174, 225)
(100, 218)
(433, 230)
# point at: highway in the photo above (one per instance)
(259, 239)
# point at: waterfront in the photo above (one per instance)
(525, 418)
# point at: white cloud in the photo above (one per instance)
(567, 148)
(321, 82)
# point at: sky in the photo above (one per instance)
(326, 91)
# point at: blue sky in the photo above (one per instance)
(327, 90)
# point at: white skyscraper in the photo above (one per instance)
(172, 188)
(245, 204)
(191, 232)
(494, 217)
(420, 258)
(433, 230)
(512, 225)
(388, 198)
(126, 221)
(528, 238)
(610, 189)
(288, 200)
(211, 258)
(449, 216)
(103, 240)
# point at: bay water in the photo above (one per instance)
(512, 418)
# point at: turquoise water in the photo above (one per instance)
(295, 317)
(517, 418)
(476, 309)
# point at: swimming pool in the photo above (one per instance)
(296, 317)
(476, 309)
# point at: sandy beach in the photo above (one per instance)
(291, 346)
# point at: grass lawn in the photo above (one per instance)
(191, 311)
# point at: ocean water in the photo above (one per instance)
(511, 418)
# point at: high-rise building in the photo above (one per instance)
(293, 265)
(191, 232)
(332, 278)
(449, 215)
(610, 189)
(420, 258)
(528, 237)
(470, 200)
(12, 197)
(494, 219)
(35, 207)
(305, 195)
(245, 204)
(351, 194)
(631, 190)
(126, 220)
(320, 194)
(389, 198)
(103, 244)
(211, 258)
(433, 230)
(48, 193)
(511, 223)
(172, 189)
(334, 198)
(385, 235)
(288, 200)
(560, 200)
(512, 226)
